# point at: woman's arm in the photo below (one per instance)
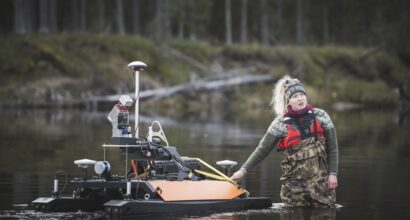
(331, 147)
(263, 149)
(265, 146)
(332, 150)
(331, 140)
(333, 155)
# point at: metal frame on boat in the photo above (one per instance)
(158, 180)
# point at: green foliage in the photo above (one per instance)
(42, 67)
(35, 67)
(360, 91)
(198, 50)
(253, 52)
(387, 65)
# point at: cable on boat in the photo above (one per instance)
(220, 175)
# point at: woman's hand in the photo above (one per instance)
(238, 175)
(332, 182)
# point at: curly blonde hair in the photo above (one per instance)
(279, 101)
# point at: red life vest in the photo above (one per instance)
(299, 131)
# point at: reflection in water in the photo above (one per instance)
(374, 158)
(277, 211)
(307, 213)
(28, 214)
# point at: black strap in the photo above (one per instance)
(315, 126)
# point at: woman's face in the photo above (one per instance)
(298, 101)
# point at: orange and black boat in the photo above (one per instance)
(156, 179)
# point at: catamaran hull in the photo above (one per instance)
(66, 204)
(119, 209)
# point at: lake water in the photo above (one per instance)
(374, 146)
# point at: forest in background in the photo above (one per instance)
(299, 22)
(58, 45)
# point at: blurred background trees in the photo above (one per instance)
(332, 38)
(315, 22)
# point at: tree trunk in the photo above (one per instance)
(53, 15)
(158, 26)
(325, 23)
(228, 23)
(19, 17)
(78, 15)
(83, 15)
(343, 14)
(75, 15)
(279, 20)
(109, 16)
(136, 16)
(181, 25)
(101, 16)
(192, 29)
(23, 16)
(120, 17)
(300, 35)
(166, 20)
(48, 16)
(244, 21)
(264, 23)
(44, 26)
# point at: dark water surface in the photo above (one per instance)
(374, 159)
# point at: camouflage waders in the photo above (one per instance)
(305, 175)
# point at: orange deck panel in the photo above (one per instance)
(195, 190)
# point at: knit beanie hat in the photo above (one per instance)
(292, 87)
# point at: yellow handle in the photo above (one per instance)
(220, 177)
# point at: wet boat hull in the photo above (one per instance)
(66, 204)
(118, 209)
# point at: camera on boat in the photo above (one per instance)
(119, 117)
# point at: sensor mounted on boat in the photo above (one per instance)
(119, 117)
(84, 163)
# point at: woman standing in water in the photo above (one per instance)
(307, 138)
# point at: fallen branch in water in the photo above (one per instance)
(195, 86)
